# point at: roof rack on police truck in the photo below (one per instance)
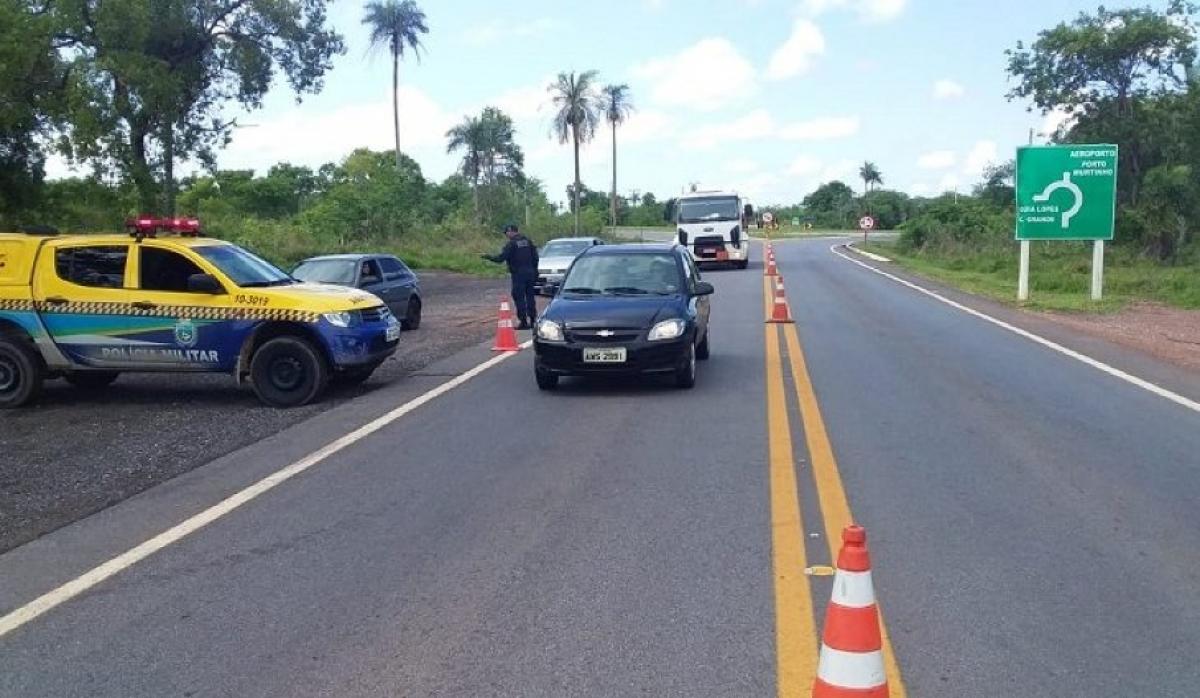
(144, 227)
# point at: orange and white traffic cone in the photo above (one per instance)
(771, 269)
(851, 663)
(780, 311)
(506, 334)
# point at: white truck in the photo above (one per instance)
(713, 226)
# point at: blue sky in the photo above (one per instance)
(770, 97)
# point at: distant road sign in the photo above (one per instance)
(1066, 192)
(866, 223)
(795, 222)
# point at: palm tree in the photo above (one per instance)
(398, 25)
(870, 175)
(469, 136)
(617, 108)
(577, 116)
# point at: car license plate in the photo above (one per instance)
(393, 333)
(709, 251)
(606, 355)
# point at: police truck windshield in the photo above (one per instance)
(243, 268)
(704, 210)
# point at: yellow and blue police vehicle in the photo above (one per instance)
(165, 298)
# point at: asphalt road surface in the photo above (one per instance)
(1033, 524)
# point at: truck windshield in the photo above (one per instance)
(703, 210)
(243, 268)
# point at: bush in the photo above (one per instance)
(949, 227)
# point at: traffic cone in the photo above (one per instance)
(851, 663)
(771, 269)
(506, 334)
(780, 312)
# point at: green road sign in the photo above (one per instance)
(795, 222)
(1066, 192)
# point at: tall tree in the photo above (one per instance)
(1110, 61)
(617, 109)
(490, 152)
(577, 115)
(149, 80)
(870, 176)
(398, 25)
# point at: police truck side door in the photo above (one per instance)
(82, 297)
(190, 330)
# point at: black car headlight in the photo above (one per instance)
(549, 331)
(667, 329)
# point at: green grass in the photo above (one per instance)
(1059, 276)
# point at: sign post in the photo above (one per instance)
(865, 224)
(1066, 192)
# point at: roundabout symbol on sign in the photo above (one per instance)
(866, 223)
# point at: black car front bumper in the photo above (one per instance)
(641, 356)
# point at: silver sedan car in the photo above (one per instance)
(554, 259)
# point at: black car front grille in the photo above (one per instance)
(377, 314)
(603, 336)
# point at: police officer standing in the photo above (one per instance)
(522, 258)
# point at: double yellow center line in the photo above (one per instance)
(795, 625)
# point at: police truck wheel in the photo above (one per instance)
(412, 316)
(288, 372)
(20, 373)
(91, 380)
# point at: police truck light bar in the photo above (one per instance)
(148, 226)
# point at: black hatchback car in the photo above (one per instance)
(625, 309)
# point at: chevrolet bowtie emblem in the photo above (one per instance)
(605, 333)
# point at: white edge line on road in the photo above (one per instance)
(1083, 358)
(868, 255)
(51, 599)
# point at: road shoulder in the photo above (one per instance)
(1073, 335)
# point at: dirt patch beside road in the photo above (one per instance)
(75, 453)
(1170, 334)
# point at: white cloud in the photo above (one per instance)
(643, 126)
(704, 76)
(754, 125)
(804, 166)
(949, 183)
(948, 89)
(306, 137)
(937, 160)
(983, 153)
(842, 169)
(742, 166)
(795, 55)
(867, 10)
(822, 129)
(496, 30)
(1055, 119)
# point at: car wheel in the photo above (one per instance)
(288, 372)
(20, 373)
(685, 375)
(702, 349)
(91, 380)
(545, 379)
(412, 316)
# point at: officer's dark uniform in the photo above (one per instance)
(521, 255)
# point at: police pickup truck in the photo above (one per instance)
(89, 307)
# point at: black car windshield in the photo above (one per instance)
(243, 268)
(326, 271)
(624, 274)
(703, 210)
(565, 248)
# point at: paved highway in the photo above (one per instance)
(1033, 523)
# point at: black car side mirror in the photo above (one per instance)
(703, 288)
(204, 283)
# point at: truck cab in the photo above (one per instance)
(711, 225)
(87, 308)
